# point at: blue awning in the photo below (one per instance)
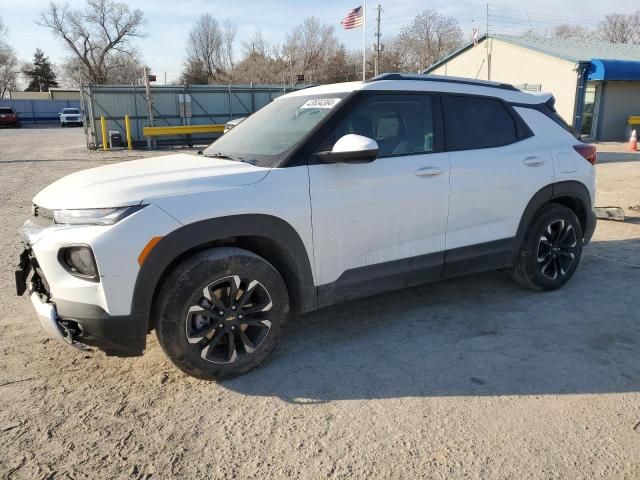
(614, 70)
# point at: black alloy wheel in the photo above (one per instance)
(557, 249)
(230, 319)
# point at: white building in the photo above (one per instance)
(596, 84)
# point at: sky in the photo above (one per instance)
(169, 21)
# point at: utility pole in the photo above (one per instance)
(488, 46)
(147, 88)
(364, 40)
(378, 35)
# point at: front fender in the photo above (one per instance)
(198, 235)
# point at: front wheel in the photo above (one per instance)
(551, 249)
(221, 313)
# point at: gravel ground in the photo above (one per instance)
(471, 378)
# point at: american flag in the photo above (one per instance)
(353, 19)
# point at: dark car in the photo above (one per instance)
(9, 117)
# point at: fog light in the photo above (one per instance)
(79, 261)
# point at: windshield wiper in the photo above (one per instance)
(219, 155)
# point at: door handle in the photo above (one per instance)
(533, 161)
(428, 172)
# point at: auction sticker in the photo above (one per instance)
(321, 103)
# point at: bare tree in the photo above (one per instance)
(395, 57)
(9, 65)
(229, 32)
(95, 35)
(120, 68)
(205, 47)
(261, 62)
(429, 38)
(256, 45)
(309, 45)
(566, 31)
(4, 31)
(620, 28)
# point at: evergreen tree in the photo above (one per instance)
(42, 75)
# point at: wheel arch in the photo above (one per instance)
(572, 194)
(267, 236)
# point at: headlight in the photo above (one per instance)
(94, 216)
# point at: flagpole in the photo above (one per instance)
(364, 41)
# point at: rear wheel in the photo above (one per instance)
(221, 313)
(551, 250)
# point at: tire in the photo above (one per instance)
(551, 250)
(207, 335)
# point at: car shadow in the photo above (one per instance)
(478, 335)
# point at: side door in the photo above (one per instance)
(379, 226)
(497, 166)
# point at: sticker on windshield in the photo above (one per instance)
(321, 103)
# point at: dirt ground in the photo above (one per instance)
(470, 378)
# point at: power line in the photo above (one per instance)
(509, 19)
(521, 13)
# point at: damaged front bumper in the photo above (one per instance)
(29, 278)
(51, 324)
(72, 323)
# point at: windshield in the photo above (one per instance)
(268, 135)
(71, 110)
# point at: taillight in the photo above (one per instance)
(588, 152)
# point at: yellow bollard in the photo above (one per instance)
(127, 127)
(103, 127)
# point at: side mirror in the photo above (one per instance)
(351, 149)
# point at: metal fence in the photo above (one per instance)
(173, 105)
(39, 111)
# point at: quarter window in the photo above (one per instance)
(474, 122)
(400, 124)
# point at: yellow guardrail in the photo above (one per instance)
(634, 120)
(181, 130)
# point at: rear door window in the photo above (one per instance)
(476, 122)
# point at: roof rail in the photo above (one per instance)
(441, 78)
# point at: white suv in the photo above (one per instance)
(70, 116)
(325, 195)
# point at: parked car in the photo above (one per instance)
(325, 195)
(70, 116)
(232, 123)
(9, 118)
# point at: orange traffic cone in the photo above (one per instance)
(633, 141)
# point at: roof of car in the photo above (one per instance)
(432, 83)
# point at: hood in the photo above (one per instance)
(129, 183)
